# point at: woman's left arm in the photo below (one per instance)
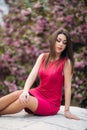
(67, 89)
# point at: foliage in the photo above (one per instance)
(25, 34)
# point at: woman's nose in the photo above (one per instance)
(61, 43)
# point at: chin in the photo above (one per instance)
(59, 52)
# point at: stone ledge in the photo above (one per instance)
(24, 121)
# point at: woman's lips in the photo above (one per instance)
(59, 48)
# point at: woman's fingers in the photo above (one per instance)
(74, 117)
(71, 116)
(24, 98)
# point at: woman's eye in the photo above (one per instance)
(65, 43)
(58, 40)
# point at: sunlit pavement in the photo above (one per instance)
(24, 121)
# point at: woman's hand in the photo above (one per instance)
(24, 97)
(69, 115)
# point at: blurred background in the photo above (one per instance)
(25, 27)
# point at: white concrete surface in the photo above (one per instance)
(24, 121)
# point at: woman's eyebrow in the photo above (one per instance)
(60, 39)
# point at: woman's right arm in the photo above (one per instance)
(32, 76)
(24, 97)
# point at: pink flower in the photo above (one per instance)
(16, 43)
(7, 40)
(26, 12)
(11, 86)
(41, 25)
(10, 31)
(79, 96)
(37, 5)
(29, 10)
(70, 19)
(79, 65)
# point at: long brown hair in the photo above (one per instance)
(68, 52)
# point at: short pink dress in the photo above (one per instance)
(49, 91)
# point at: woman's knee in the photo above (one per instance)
(32, 104)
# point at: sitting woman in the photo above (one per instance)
(55, 70)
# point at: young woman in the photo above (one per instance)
(55, 70)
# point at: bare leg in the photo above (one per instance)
(16, 106)
(8, 99)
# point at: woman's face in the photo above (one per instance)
(60, 44)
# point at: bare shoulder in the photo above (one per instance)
(42, 55)
(68, 62)
(68, 66)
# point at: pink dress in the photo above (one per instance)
(49, 91)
